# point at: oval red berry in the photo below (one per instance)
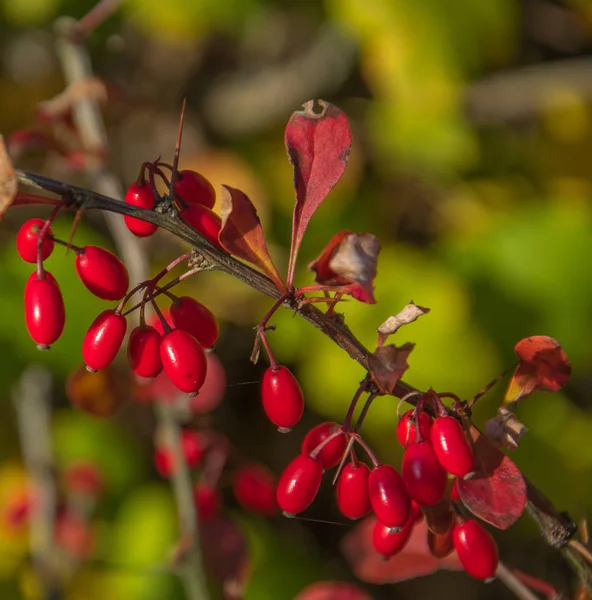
(27, 239)
(388, 542)
(388, 496)
(183, 360)
(424, 477)
(193, 317)
(333, 451)
(143, 351)
(353, 499)
(45, 314)
(299, 484)
(103, 340)
(282, 397)
(407, 427)
(193, 188)
(452, 447)
(142, 197)
(204, 221)
(102, 273)
(254, 488)
(476, 549)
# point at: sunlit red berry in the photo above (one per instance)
(352, 496)
(333, 451)
(194, 188)
(204, 221)
(476, 549)
(207, 501)
(193, 317)
(27, 239)
(183, 360)
(143, 351)
(407, 427)
(282, 397)
(193, 450)
(424, 477)
(452, 447)
(388, 496)
(141, 196)
(254, 488)
(299, 484)
(103, 340)
(388, 542)
(45, 314)
(102, 273)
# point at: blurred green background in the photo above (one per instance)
(472, 137)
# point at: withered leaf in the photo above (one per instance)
(388, 364)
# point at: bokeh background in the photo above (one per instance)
(471, 163)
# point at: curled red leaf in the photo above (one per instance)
(348, 265)
(543, 367)
(318, 145)
(242, 234)
(497, 492)
(333, 590)
(415, 560)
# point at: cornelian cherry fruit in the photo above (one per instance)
(424, 477)
(194, 188)
(103, 340)
(141, 196)
(254, 488)
(45, 314)
(193, 317)
(143, 351)
(207, 501)
(407, 427)
(27, 241)
(388, 496)
(299, 484)
(282, 397)
(388, 542)
(353, 499)
(476, 549)
(452, 447)
(183, 360)
(102, 273)
(332, 451)
(204, 221)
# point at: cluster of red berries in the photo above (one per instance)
(435, 448)
(253, 485)
(194, 197)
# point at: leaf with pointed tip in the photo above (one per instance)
(388, 364)
(415, 560)
(497, 492)
(318, 146)
(242, 234)
(348, 265)
(333, 590)
(543, 367)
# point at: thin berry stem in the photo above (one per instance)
(263, 337)
(364, 412)
(375, 462)
(318, 449)
(41, 238)
(490, 385)
(347, 422)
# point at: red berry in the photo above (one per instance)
(103, 340)
(102, 273)
(476, 549)
(454, 493)
(425, 478)
(194, 318)
(212, 391)
(299, 484)
(452, 447)
(282, 397)
(26, 241)
(192, 448)
(204, 221)
(352, 495)
(45, 314)
(207, 501)
(194, 188)
(254, 488)
(184, 360)
(333, 451)
(388, 496)
(143, 351)
(407, 427)
(84, 478)
(388, 542)
(142, 197)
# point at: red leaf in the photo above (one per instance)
(318, 146)
(333, 590)
(415, 560)
(348, 265)
(242, 234)
(497, 493)
(543, 367)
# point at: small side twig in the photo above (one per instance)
(519, 589)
